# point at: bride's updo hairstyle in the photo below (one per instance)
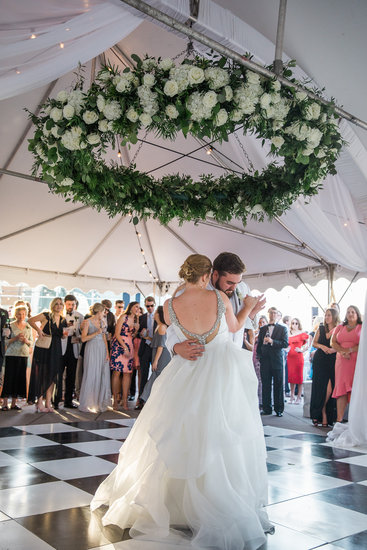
(194, 267)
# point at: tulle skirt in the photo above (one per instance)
(194, 465)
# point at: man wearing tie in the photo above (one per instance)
(272, 339)
(147, 326)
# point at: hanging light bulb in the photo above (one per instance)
(62, 45)
(119, 154)
(33, 36)
(209, 151)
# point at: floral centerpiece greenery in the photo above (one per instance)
(207, 98)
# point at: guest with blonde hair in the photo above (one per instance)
(95, 390)
(47, 359)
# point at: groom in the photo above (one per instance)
(227, 273)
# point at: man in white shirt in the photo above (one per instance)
(227, 273)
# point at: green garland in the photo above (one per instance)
(204, 98)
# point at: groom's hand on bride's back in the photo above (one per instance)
(189, 349)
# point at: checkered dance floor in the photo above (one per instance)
(49, 472)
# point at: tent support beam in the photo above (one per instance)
(168, 228)
(151, 249)
(143, 7)
(39, 224)
(96, 248)
(330, 284)
(308, 290)
(278, 62)
(270, 240)
(139, 289)
(27, 128)
(348, 287)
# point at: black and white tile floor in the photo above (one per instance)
(49, 472)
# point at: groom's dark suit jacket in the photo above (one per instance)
(273, 353)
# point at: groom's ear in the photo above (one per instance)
(215, 276)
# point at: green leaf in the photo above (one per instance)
(136, 58)
(50, 124)
(135, 220)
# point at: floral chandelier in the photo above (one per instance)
(206, 98)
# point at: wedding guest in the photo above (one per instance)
(122, 353)
(16, 356)
(46, 361)
(261, 323)
(322, 407)
(298, 343)
(287, 322)
(345, 340)
(248, 339)
(160, 354)
(273, 337)
(70, 352)
(4, 333)
(111, 321)
(147, 326)
(95, 390)
(136, 364)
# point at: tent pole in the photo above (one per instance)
(348, 287)
(331, 293)
(308, 290)
(278, 63)
(143, 7)
(180, 239)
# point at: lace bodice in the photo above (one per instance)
(201, 338)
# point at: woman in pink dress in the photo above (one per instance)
(345, 340)
(298, 343)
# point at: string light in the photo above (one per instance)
(17, 71)
(209, 151)
(62, 45)
(345, 224)
(67, 29)
(145, 264)
(33, 36)
(119, 154)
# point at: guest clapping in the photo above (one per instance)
(322, 408)
(345, 340)
(47, 361)
(16, 356)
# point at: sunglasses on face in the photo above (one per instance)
(149, 305)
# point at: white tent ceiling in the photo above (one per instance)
(45, 240)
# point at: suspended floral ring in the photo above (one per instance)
(206, 98)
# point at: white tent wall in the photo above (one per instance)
(105, 253)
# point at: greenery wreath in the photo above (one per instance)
(207, 98)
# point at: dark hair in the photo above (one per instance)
(119, 302)
(70, 298)
(149, 299)
(334, 314)
(227, 262)
(359, 316)
(129, 307)
(159, 310)
(107, 303)
(298, 323)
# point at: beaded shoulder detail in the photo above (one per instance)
(201, 338)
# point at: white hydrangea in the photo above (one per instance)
(56, 114)
(307, 152)
(166, 64)
(62, 96)
(122, 83)
(101, 103)
(54, 132)
(265, 100)
(181, 76)
(276, 86)
(301, 96)
(71, 138)
(171, 111)
(210, 99)
(298, 130)
(277, 141)
(275, 98)
(111, 125)
(196, 75)
(277, 124)
(149, 64)
(93, 139)
(246, 98)
(90, 117)
(76, 99)
(132, 115)
(112, 110)
(269, 112)
(68, 111)
(148, 100)
(67, 182)
(314, 137)
(216, 77)
(236, 115)
(149, 80)
(103, 125)
(170, 88)
(221, 117)
(145, 119)
(312, 111)
(198, 109)
(229, 93)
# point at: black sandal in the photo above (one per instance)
(315, 422)
(15, 408)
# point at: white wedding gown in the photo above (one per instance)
(192, 470)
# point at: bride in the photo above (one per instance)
(193, 468)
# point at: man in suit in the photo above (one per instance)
(70, 348)
(273, 338)
(227, 273)
(147, 326)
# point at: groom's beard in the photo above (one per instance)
(228, 292)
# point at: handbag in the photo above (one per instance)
(44, 341)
